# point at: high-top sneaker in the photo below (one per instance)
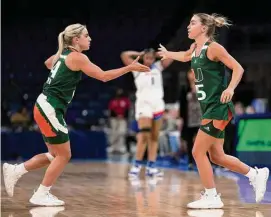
(11, 177)
(259, 183)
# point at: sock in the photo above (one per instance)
(251, 173)
(151, 164)
(211, 191)
(138, 163)
(43, 189)
(20, 169)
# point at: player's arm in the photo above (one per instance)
(49, 62)
(219, 53)
(183, 56)
(80, 62)
(128, 57)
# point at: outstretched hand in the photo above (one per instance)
(136, 66)
(163, 52)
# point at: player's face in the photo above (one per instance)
(148, 59)
(195, 28)
(84, 40)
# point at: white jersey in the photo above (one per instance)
(150, 85)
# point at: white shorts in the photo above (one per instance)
(149, 108)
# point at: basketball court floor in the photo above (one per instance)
(102, 189)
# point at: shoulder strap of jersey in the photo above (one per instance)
(205, 47)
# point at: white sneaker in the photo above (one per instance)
(259, 183)
(153, 171)
(46, 211)
(134, 171)
(207, 202)
(10, 178)
(206, 213)
(45, 199)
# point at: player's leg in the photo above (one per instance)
(42, 196)
(153, 147)
(143, 139)
(143, 115)
(203, 143)
(53, 127)
(40, 160)
(12, 173)
(257, 177)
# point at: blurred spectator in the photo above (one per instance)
(20, 119)
(118, 114)
(250, 110)
(239, 108)
(170, 124)
(191, 114)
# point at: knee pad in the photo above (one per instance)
(49, 156)
(212, 131)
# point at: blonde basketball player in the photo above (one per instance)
(66, 68)
(208, 59)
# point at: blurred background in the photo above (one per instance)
(29, 37)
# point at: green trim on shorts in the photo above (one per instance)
(212, 131)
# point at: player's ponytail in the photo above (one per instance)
(60, 46)
(211, 22)
(220, 21)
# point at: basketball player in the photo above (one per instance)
(66, 68)
(208, 59)
(149, 108)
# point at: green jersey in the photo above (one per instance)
(210, 82)
(61, 83)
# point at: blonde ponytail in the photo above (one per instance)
(60, 47)
(220, 21)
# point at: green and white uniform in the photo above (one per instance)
(52, 104)
(210, 82)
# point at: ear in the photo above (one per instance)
(203, 28)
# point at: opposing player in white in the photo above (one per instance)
(149, 108)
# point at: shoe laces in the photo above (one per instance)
(203, 194)
(50, 196)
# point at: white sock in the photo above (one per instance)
(43, 189)
(20, 169)
(211, 191)
(251, 173)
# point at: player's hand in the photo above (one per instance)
(136, 66)
(163, 52)
(227, 95)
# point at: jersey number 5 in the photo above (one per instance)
(201, 93)
(53, 72)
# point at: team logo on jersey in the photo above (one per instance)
(198, 75)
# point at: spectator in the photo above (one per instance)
(250, 110)
(239, 108)
(118, 114)
(21, 118)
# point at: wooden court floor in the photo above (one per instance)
(103, 190)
